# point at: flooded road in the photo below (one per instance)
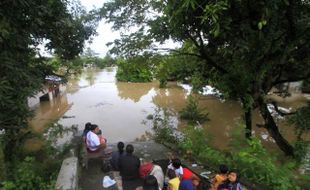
(120, 109)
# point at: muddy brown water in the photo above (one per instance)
(121, 109)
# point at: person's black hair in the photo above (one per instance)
(150, 183)
(223, 169)
(237, 174)
(87, 128)
(226, 184)
(129, 149)
(176, 163)
(120, 147)
(171, 174)
(93, 127)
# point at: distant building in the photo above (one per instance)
(52, 88)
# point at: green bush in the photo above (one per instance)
(29, 176)
(162, 72)
(38, 170)
(192, 113)
(253, 161)
(2, 163)
(163, 128)
(134, 69)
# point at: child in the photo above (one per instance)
(232, 183)
(219, 178)
(174, 181)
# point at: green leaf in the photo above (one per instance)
(260, 25)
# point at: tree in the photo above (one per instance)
(24, 24)
(247, 47)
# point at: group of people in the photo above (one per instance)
(177, 177)
(132, 168)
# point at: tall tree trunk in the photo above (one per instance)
(273, 129)
(247, 118)
(248, 122)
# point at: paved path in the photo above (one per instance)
(91, 179)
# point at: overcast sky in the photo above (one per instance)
(105, 34)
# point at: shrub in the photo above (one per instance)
(38, 170)
(192, 113)
(29, 176)
(134, 70)
(251, 159)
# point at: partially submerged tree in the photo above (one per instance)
(248, 47)
(24, 24)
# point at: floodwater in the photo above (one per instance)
(121, 109)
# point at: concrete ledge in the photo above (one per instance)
(118, 179)
(68, 176)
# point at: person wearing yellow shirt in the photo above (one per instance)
(174, 181)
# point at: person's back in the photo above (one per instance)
(149, 183)
(86, 130)
(159, 175)
(129, 164)
(186, 184)
(116, 155)
(188, 174)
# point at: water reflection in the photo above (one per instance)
(173, 97)
(133, 91)
(120, 109)
(49, 111)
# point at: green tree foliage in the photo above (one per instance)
(301, 121)
(134, 69)
(247, 47)
(29, 175)
(24, 24)
(39, 170)
(174, 67)
(253, 161)
(90, 58)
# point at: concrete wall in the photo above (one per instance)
(68, 178)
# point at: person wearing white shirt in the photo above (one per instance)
(93, 141)
(176, 166)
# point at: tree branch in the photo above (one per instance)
(204, 56)
(276, 108)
